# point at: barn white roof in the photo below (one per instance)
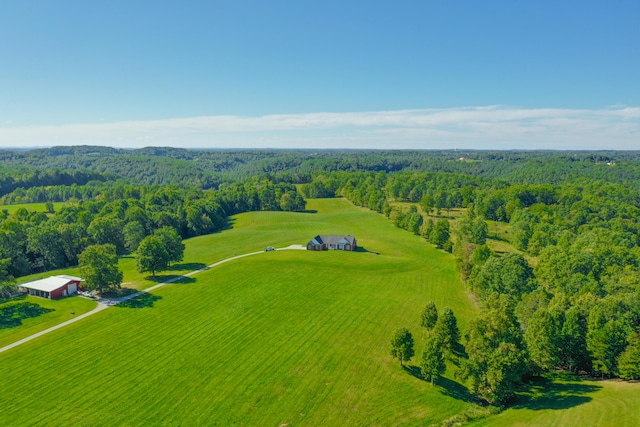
(50, 284)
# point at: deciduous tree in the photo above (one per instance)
(151, 255)
(134, 232)
(402, 345)
(629, 360)
(440, 233)
(497, 353)
(172, 243)
(542, 338)
(99, 268)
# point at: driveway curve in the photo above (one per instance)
(104, 303)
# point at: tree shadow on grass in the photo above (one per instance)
(444, 385)
(118, 293)
(454, 389)
(413, 370)
(544, 393)
(12, 315)
(143, 300)
(188, 266)
(365, 250)
(177, 278)
(18, 297)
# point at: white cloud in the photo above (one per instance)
(483, 127)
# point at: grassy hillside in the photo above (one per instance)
(285, 337)
(572, 403)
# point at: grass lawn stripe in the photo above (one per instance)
(256, 341)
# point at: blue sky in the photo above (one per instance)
(359, 74)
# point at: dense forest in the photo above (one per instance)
(566, 297)
(209, 168)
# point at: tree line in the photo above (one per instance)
(124, 216)
(576, 308)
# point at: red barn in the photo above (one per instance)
(53, 287)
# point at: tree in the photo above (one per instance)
(629, 360)
(542, 340)
(429, 316)
(151, 255)
(292, 201)
(107, 230)
(509, 275)
(427, 203)
(480, 255)
(446, 329)
(7, 285)
(440, 233)
(427, 229)
(45, 245)
(432, 363)
(573, 345)
(99, 268)
(172, 243)
(497, 353)
(605, 344)
(402, 345)
(133, 234)
(479, 231)
(413, 220)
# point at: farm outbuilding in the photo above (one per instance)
(53, 287)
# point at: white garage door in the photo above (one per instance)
(72, 288)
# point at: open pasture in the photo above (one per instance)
(31, 207)
(560, 403)
(48, 313)
(289, 337)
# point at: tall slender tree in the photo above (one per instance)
(432, 363)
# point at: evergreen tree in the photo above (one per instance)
(429, 316)
(447, 331)
(432, 363)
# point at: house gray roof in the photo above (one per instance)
(333, 240)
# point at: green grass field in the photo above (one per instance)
(31, 207)
(61, 311)
(279, 338)
(291, 337)
(572, 403)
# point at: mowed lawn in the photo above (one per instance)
(607, 403)
(57, 311)
(285, 337)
